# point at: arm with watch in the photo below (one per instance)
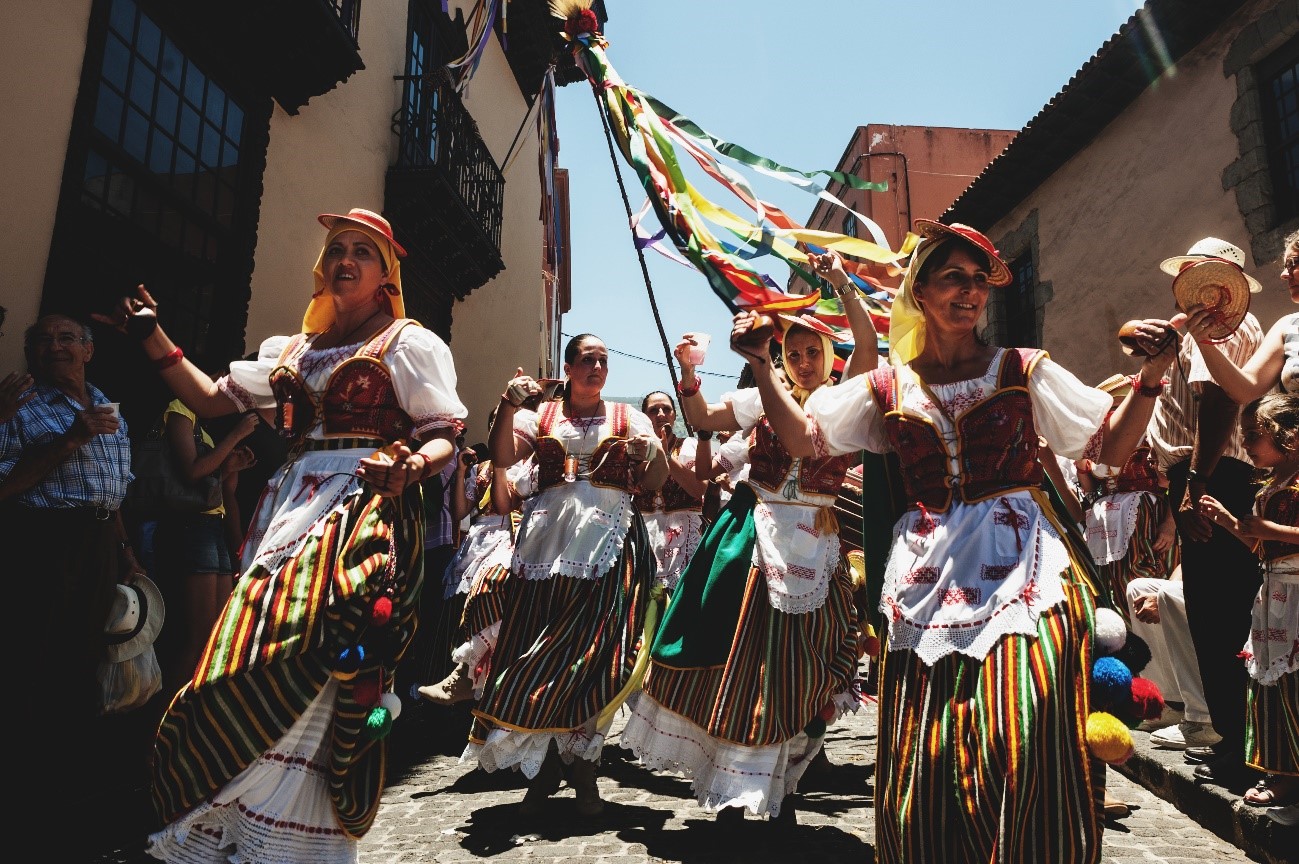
(865, 354)
(1217, 418)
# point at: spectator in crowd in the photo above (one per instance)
(1195, 435)
(65, 464)
(15, 388)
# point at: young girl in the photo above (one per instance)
(1271, 433)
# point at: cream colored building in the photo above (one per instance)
(189, 146)
(1184, 125)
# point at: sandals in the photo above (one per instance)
(1273, 791)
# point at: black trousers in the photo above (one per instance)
(1220, 578)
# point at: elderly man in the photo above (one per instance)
(65, 463)
(1195, 434)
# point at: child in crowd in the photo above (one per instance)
(1271, 435)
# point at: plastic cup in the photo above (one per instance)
(700, 349)
(116, 408)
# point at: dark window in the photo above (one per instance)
(1280, 94)
(420, 136)
(1012, 311)
(849, 225)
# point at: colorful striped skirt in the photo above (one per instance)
(986, 760)
(733, 683)
(566, 650)
(1272, 725)
(275, 648)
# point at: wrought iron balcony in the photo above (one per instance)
(444, 197)
(296, 49)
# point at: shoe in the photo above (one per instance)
(1199, 755)
(1114, 808)
(1170, 717)
(456, 687)
(1273, 791)
(1225, 771)
(730, 817)
(589, 802)
(545, 784)
(1185, 734)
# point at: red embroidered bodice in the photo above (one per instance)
(359, 399)
(671, 497)
(609, 463)
(1282, 507)
(1139, 474)
(996, 441)
(770, 462)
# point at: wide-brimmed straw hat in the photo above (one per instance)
(1207, 249)
(1117, 385)
(999, 274)
(369, 219)
(134, 620)
(816, 325)
(1220, 287)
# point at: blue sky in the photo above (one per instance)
(789, 81)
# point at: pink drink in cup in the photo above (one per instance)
(700, 349)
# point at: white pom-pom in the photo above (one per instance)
(392, 702)
(1111, 632)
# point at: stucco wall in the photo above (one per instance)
(1148, 187)
(41, 65)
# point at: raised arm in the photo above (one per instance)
(699, 412)
(783, 412)
(1259, 374)
(1126, 425)
(503, 444)
(137, 317)
(865, 352)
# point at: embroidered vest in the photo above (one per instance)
(1139, 473)
(609, 464)
(1281, 507)
(671, 497)
(770, 462)
(359, 399)
(996, 441)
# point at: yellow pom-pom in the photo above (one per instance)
(1108, 739)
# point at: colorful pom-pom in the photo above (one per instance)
(828, 711)
(1108, 739)
(366, 692)
(1111, 684)
(348, 661)
(1135, 654)
(381, 611)
(392, 703)
(581, 22)
(870, 646)
(1147, 701)
(1111, 632)
(378, 722)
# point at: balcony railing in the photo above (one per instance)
(349, 15)
(435, 131)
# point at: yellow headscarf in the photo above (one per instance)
(906, 320)
(827, 360)
(320, 311)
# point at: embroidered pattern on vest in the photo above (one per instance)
(770, 463)
(1281, 507)
(671, 497)
(608, 462)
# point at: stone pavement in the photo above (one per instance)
(436, 810)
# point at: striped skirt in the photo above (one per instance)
(485, 602)
(733, 683)
(986, 760)
(566, 649)
(273, 651)
(1141, 560)
(1272, 725)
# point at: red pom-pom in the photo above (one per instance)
(582, 22)
(871, 646)
(366, 692)
(828, 712)
(381, 611)
(1147, 701)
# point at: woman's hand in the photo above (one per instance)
(247, 423)
(741, 324)
(137, 316)
(239, 459)
(391, 469)
(682, 353)
(1166, 535)
(1211, 508)
(520, 388)
(829, 267)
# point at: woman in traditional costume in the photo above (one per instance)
(989, 644)
(758, 648)
(673, 514)
(576, 601)
(274, 751)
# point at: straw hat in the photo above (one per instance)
(999, 274)
(134, 620)
(1211, 247)
(368, 218)
(1218, 286)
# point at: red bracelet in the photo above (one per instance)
(1151, 391)
(688, 391)
(169, 359)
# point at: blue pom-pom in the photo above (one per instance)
(1111, 685)
(348, 661)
